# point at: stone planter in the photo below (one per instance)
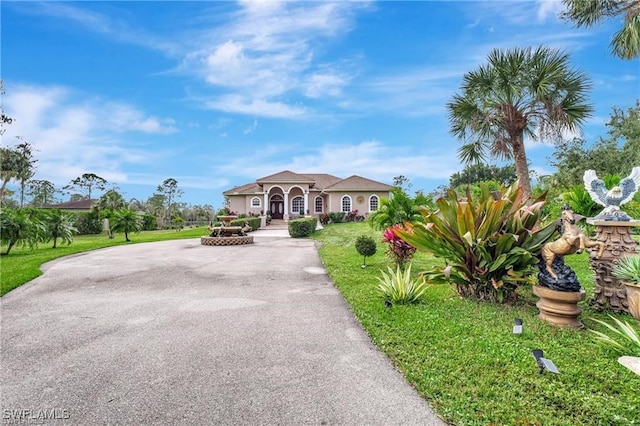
(633, 299)
(560, 308)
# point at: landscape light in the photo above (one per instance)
(544, 363)
(517, 327)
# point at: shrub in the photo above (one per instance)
(302, 228)
(365, 246)
(400, 252)
(88, 222)
(149, 222)
(399, 208)
(490, 243)
(336, 217)
(254, 222)
(399, 287)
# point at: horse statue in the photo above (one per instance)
(572, 240)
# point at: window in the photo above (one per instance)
(318, 203)
(255, 202)
(346, 203)
(297, 205)
(373, 203)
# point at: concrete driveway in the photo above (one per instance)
(175, 332)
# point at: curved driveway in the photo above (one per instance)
(175, 332)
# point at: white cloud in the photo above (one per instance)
(548, 8)
(371, 159)
(257, 107)
(72, 136)
(267, 52)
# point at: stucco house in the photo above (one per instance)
(285, 194)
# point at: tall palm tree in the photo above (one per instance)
(518, 93)
(126, 220)
(586, 13)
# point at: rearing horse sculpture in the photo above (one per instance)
(572, 240)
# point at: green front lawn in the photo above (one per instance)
(464, 359)
(23, 264)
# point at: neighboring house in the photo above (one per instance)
(73, 206)
(286, 194)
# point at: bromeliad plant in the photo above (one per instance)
(489, 242)
(399, 251)
(400, 287)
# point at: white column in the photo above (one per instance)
(306, 202)
(265, 204)
(286, 206)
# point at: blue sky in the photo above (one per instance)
(216, 94)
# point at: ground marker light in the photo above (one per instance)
(544, 363)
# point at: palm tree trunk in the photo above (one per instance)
(55, 240)
(522, 167)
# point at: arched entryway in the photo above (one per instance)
(276, 206)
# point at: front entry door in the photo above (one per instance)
(276, 207)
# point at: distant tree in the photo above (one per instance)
(155, 204)
(402, 182)
(4, 119)
(617, 154)
(625, 43)
(125, 220)
(42, 192)
(135, 204)
(481, 172)
(86, 183)
(25, 166)
(111, 200)
(518, 93)
(21, 228)
(9, 159)
(171, 192)
(60, 224)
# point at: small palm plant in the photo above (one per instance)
(400, 287)
(366, 246)
(60, 225)
(125, 220)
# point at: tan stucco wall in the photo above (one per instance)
(335, 200)
(241, 204)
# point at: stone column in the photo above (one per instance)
(610, 293)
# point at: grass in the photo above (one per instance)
(459, 354)
(23, 264)
(463, 357)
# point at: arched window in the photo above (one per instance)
(373, 203)
(346, 203)
(297, 205)
(318, 204)
(255, 202)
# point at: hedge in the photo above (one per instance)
(302, 228)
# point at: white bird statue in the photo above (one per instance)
(613, 198)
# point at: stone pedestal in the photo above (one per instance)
(610, 293)
(559, 307)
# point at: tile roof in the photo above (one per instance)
(285, 176)
(358, 183)
(73, 205)
(249, 188)
(321, 181)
